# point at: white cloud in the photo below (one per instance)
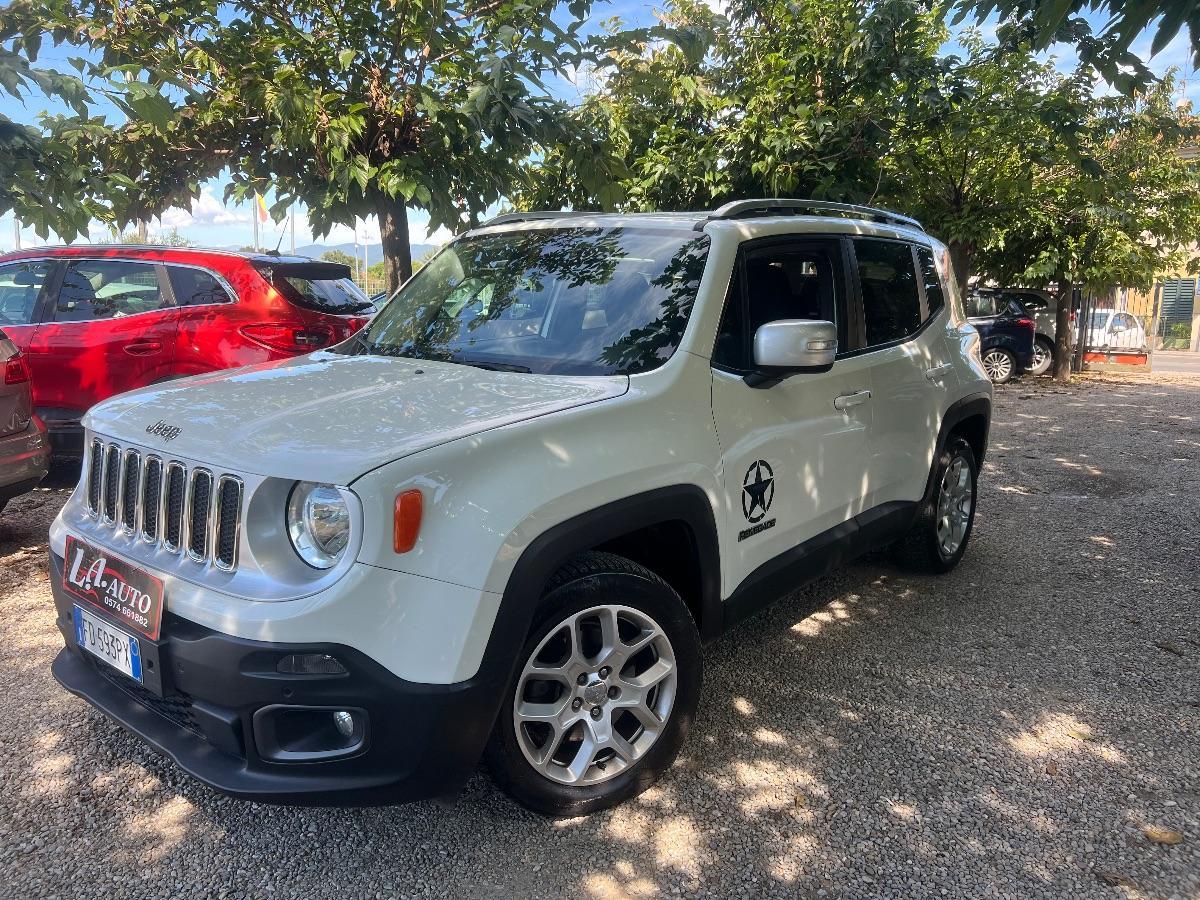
(205, 210)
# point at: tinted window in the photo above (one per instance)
(572, 301)
(1032, 302)
(107, 289)
(933, 284)
(888, 280)
(20, 284)
(196, 287)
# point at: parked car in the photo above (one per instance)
(1042, 307)
(1111, 329)
(24, 448)
(95, 321)
(502, 518)
(1007, 333)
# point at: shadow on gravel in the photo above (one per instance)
(1013, 728)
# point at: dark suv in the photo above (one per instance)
(1006, 331)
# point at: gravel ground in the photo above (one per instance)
(1027, 726)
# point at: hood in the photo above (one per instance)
(329, 417)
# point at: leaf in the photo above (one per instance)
(345, 58)
(1163, 835)
(1116, 879)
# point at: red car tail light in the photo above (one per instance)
(289, 338)
(16, 370)
(1025, 322)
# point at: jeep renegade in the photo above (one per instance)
(500, 521)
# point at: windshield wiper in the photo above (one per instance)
(494, 366)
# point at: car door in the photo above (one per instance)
(25, 286)
(794, 451)
(903, 314)
(109, 328)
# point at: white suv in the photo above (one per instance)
(501, 520)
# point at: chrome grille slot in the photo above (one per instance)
(151, 497)
(229, 518)
(131, 474)
(112, 478)
(199, 510)
(166, 503)
(176, 493)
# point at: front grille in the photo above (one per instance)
(177, 707)
(165, 503)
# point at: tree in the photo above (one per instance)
(962, 158)
(1041, 24)
(352, 109)
(339, 256)
(1129, 211)
(772, 98)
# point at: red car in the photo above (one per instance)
(94, 320)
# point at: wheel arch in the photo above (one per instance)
(971, 418)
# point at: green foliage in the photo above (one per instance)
(338, 256)
(351, 109)
(773, 98)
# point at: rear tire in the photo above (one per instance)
(1000, 365)
(938, 537)
(1043, 357)
(606, 688)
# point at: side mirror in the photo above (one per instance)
(794, 345)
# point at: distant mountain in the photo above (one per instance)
(374, 251)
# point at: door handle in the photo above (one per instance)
(938, 372)
(143, 348)
(845, 401)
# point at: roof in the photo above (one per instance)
(153, 251)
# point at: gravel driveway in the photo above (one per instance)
(1027, 726)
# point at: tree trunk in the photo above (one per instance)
(1062, 330)
(393, 233)
(961, 254)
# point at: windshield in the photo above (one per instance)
(569, 301)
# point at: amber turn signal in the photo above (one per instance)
(408, 521)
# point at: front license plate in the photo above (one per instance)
(115, 647)
(130, 595)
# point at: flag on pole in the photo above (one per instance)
(262, 207)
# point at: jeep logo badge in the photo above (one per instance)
(163, 430)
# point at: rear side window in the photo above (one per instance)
(888, 283)
(108, 289)
(20, 285)
(196, 287)
(980, 306)
(933, 284)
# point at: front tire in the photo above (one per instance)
(938, 537)
(1000, 365)
(607, 686)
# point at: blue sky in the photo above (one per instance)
(211, 222)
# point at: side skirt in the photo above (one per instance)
(817, 556)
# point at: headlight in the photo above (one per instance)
(318, 522)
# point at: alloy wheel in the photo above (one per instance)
(956, 499)
(595, 695)
(1041, 358)
(998, 365)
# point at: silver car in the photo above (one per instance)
(24, 448)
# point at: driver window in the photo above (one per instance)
(787, 281)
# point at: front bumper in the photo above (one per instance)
(202, 689)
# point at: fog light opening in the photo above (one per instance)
(284, 733)
(310, 664)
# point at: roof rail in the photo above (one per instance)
(744, 209)
(506, 218)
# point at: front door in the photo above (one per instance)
(794, 452)
(110, 329)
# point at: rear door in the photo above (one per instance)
(911, 374)
(109, 329)
(795, 451)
